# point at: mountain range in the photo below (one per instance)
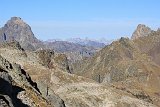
(17, 30)
(78, 73)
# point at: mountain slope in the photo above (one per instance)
(76, 91)
(123, 64)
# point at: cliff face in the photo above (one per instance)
(17, 30)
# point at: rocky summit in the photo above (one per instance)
(33, 73)
(142, 30)
(17, 30)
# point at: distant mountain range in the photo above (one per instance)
(85, 42)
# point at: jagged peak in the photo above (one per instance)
(141, 30)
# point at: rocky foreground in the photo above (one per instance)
(123, 74)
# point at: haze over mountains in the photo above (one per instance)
(85, 42)
(76, 72)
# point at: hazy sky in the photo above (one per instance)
(94, 19)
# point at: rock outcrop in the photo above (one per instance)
(17, 89)
(142, 30)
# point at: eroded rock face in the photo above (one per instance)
(142, 30)
(18, 90)
(17, 30)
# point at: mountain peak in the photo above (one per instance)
(142, 30)
(17, 30)
(141, 26)
(16, 21)
(16, 18)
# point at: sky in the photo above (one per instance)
(94, 19)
